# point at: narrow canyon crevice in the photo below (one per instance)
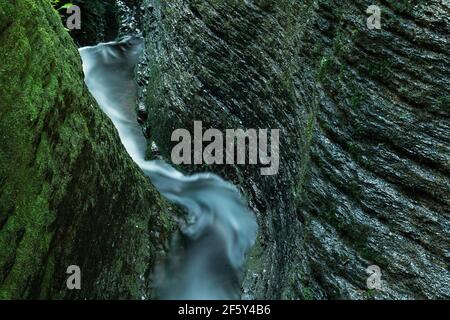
(69, 192)
(364, 152)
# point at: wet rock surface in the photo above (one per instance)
(365, 144)
(99, 21)
(69, 192)
(365, 133)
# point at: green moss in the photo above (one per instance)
(325, 65)
(307, 293)
(25, 147)
(154, 102)
(356, 98)
(63, 169)
(306, 142)
(444, 103)
(254, 260)
(370, 294)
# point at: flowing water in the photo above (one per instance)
(219, 230)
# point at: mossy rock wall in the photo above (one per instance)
(69, 193)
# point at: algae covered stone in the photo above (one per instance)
(69, 193)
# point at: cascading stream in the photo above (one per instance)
(220, 228)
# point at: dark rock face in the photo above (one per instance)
(69, 192)
(365, 133)
(130, 13)
(99, 21)
(105, 20)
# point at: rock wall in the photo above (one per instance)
(365, 133)
(69, 193)
(99, 21)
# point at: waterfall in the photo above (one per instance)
(219, 227)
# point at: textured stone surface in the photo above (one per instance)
(365, 144)
(69, 193)
(99, 21)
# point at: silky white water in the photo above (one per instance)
(220, 228)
